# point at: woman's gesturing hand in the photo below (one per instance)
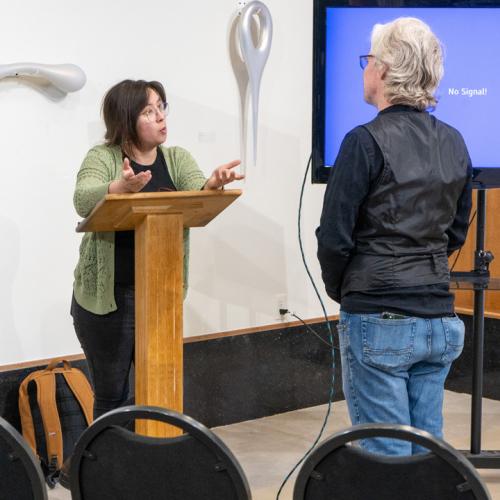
(223, 175)
(130, 182)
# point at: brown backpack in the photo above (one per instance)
(48, 388)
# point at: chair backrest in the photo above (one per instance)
(21, 477)
(112, 461)
(335, 469)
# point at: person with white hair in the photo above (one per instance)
(397, 204)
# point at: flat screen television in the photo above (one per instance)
(469, 93)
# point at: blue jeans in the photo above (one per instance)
(393, 371)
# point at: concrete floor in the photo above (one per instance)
(268, 448)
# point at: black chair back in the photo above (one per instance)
(21, 477)
(338, 470)
(112, 461)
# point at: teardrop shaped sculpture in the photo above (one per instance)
(249, 51)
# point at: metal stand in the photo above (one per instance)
(480, 279)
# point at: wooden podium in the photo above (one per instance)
(158, 220)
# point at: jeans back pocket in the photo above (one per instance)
(454, 333)
(343, 335)
(388, 343)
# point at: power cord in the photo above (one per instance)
(309, 327)
(330, 333)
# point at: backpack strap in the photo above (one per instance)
(27, 425)
(56, 361)
(80, 387)
(46, 397)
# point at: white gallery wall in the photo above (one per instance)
(244, 259)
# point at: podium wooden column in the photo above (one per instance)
(158, 220)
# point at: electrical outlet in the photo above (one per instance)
(281, 303)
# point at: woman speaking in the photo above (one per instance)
(132, 159)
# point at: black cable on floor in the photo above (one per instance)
(310, 329)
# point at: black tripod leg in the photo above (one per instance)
(478, 328)
(477, 372)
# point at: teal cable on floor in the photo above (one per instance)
(330, 333)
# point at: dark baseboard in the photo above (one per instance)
(235, 378)
(242, 377)
(251, 376)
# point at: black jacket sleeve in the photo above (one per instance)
(457, 232)
(347, 188)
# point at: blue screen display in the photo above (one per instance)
(468, 96)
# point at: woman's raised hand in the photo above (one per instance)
(130, 182)
(223, 175)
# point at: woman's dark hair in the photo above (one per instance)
(121, 107)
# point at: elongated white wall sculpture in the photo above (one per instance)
(65, 77)
(250, 38)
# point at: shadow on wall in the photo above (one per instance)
(56, 327)
(238, 262)
(241, 264)
(40, 85)
(9, 266)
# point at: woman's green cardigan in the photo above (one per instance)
(95, 272)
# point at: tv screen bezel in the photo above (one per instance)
(483, 177)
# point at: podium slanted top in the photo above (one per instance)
(122, 212)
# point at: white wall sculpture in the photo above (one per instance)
(64, 77)
(250, 37)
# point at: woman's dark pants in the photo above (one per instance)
(108, 343)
